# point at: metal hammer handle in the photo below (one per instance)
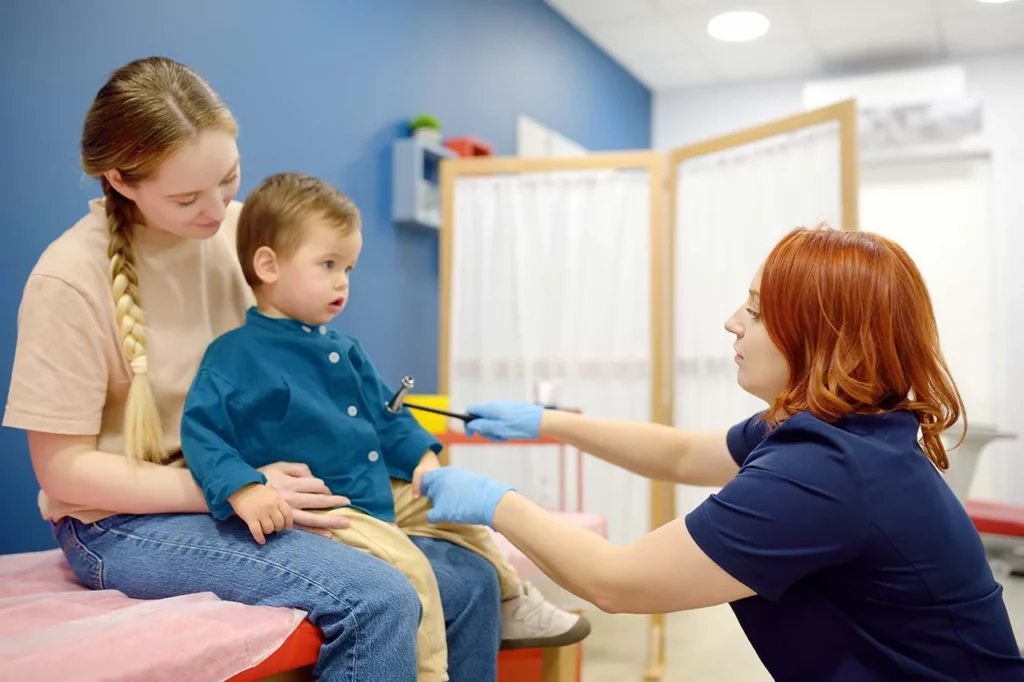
(397, 402)
(464, 417)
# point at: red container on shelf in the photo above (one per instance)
(468, 146)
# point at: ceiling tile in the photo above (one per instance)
(589, 12)
(673, 70)
(682, 6)
(784, 21)
(834, 15)
(692, 27)
(665, 43)
(970, 31)
(947, 7)
(750, 61)
(890, 41)
(639, 37)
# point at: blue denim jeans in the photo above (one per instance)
(367, 610)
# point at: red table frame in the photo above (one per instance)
(450, 438)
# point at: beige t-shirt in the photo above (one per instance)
(70, 375)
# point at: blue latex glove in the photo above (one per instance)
(505, 420)
(460, 496)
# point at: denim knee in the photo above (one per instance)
(393, 598)
(484, 588)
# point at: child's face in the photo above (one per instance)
(313, 284)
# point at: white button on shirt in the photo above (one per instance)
(334, 357)
(352, 411)
(373, 456)
(323, 330)
(306, 329)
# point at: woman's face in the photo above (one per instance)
(763, 371)
(190, 191)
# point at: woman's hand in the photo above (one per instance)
(505, 420)
(460, 496)
(298, 487)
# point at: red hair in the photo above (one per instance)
(852, 316)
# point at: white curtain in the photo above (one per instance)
(551, 283)
(731, 208)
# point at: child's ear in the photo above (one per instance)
(264, 262)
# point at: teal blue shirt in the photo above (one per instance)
(277, 390)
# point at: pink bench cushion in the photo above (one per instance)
(53, 628)
(104, 635)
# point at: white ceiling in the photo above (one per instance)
(665, 43)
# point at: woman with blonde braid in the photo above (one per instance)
(114, 320)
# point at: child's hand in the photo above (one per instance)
(262, 509)
(428, 463)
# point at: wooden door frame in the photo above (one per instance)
(652, 162)
(663, 508)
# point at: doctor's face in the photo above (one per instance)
(763, 371)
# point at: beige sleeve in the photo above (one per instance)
(59, 378)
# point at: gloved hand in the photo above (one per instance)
(460, 496)
(505, 420)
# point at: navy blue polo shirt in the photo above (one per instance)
(865, 565)
(279, 390)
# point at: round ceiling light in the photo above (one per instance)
(737, 27)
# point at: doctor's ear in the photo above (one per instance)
(265, 265)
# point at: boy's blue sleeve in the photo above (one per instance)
(403, 440)
(209, 443)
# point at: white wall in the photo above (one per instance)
(939, 210)
(533, 138)
(685, 116)
(682, 117)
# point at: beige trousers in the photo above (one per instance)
(390, 543)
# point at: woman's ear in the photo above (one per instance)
(117, 182)
(264, 263)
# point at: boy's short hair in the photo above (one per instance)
(277, 211)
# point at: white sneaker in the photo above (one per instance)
(529, 621)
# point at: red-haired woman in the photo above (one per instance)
(844, 554)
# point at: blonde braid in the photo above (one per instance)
(143, 437)
(146, 111)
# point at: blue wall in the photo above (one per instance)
(321, 86)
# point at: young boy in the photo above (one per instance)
(285, 387)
